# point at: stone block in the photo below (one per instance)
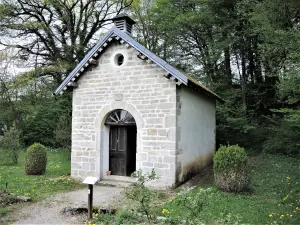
(170, 121)
(168, 145)
(84, 159)
(78, 153)
(74, 173)
(152, 132)
(91, 173)
(86, 166)
(159, 159)
(161, 165)
(154, 153)
(141, 156)
(172, 98)
(82, 173)
(147, 164)
(92, 160)
(76, 166)
(166, 106)
(118, 97)
(77, 100)
(162, 132)
(159, 171)
(172, 134)
(169, 159)
(76, 159)
(92, 166)
(154, 121)
(152, 159)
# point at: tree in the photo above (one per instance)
(51, 37)
(10, 142)
(9, 93)
(241, 49)
(58, 32)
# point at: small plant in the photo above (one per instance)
(228, 218)
(10, 142)
(36, 159)
(231, 169)
(288, 211)
(142, 194)
(188, 206)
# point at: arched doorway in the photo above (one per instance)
(122, 142)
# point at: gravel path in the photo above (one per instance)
(49, 211)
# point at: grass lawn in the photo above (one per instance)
(274, 198)
(56, 178)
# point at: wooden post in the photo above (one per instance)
(90, 181)
(90, 202)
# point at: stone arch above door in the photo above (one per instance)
(102, 134)
(107, 109)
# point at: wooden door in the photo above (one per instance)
(118, 150)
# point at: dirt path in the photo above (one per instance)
(49, 211)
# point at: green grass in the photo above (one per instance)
(273, 179)
(275, 191)
(4, 211)
(56, 179)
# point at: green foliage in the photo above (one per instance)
(289, 205)
(191, 205)
(36, 159)
(121, 217)
(48, 122)
(10, 142)
(284, 138)
(141, 194)
(247, 51)
(63, 131)
(234, 127)
(36, 113)
(27, 98)
(231, 169)
(76, 24)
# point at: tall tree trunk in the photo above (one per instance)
(244, 80)
(228, 73)
(251, 66)
(257, 59)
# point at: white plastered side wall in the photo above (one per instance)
(196, 127)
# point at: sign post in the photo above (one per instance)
(90, 181)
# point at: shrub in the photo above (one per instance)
(10, 142)
(231, 169)
(141, 194)
(36, 159)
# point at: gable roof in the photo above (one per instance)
(114, 32)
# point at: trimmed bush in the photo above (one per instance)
(36, 159)
(231, 169)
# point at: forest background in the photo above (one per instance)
(247, 51)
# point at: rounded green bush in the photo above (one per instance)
(231, 169)
(36, 159)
